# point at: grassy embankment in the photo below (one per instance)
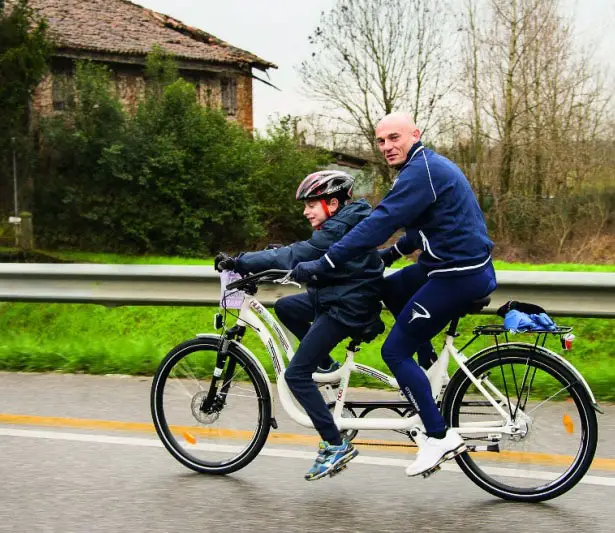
(118, 259)
(132, 340)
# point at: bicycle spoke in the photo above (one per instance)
(242, 395)
(548, 399)
(529, 387)
(178, 383)
(186, 365)
(229, 380)
(507, 396)
(242, 389)
(520, 394)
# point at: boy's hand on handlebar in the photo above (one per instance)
(225, 262)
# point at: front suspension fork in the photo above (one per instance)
(220, 372)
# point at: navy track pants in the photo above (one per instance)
(317, 340)
(422, 307)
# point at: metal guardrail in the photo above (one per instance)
(580, 294)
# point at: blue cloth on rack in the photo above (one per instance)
(516, 321)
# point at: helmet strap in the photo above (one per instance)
(325, 207)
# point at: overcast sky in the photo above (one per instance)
(277, 31)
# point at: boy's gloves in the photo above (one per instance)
(389, 255)
(225, 262)
(308, 269)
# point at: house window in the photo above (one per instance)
(62, 91)
(228, 88)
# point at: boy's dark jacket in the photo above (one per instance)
(350, 294)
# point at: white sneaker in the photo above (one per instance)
(434, 451)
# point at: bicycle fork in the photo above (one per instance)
(224, 372)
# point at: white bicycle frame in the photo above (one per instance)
(253, 314)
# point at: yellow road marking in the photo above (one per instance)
(507, 456)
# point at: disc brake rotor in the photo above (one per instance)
(203, 417)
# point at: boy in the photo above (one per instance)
(336, 305)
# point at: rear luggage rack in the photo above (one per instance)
(499, 329)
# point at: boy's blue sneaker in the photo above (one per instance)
(334, 366)
(331, 460)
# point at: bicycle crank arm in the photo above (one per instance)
(484, 448)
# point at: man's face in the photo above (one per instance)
(394, 138)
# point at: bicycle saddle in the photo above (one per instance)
(476, 306)
(370, 332)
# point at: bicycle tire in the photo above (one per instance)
(210, 344)
(453, 403)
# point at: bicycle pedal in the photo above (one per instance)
(338, 470)
(431, 472)
(455, 453)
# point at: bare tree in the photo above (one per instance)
(373, 57)
(538, 112)
(471, 88)
(529, 88)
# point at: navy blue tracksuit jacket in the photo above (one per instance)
(433, 201)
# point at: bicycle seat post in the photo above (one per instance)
(452, 328)
(353, 346)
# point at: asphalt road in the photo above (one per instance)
(67, 463)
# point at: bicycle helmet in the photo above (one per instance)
(326, 184)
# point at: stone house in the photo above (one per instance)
(120, 33)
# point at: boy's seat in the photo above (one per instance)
(369, 332)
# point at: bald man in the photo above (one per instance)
(432, 200)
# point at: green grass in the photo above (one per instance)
(108, 258)
(116, 259)
(563, 267)
(556, 267)
(132, 340)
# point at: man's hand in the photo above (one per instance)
(389, 255)
(305, 271)
(224, 262)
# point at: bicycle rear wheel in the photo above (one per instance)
(554, 419)
(210, 431)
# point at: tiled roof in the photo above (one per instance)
(122, 27)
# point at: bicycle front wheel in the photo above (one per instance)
(210, 431)
(554, 428)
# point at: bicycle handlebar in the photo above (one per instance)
(265, 275)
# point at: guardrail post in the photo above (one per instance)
(26, 233)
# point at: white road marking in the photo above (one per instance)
(283, 453)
